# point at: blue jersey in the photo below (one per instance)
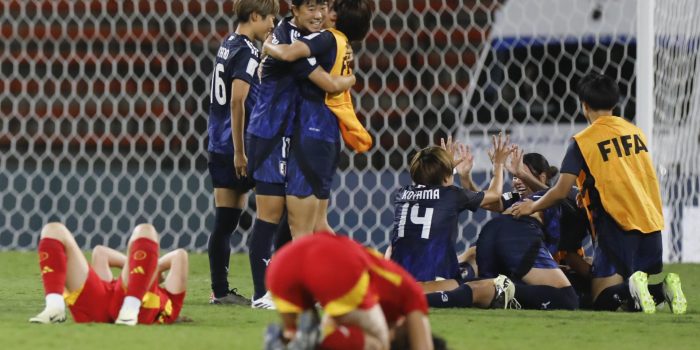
(276, 106)
(237, 58)
(316, 120)
(425, 229)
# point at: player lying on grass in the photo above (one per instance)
(91, 293)
(272, 122)
(426, 213)
(366, 299)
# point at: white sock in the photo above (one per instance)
(55, 301)
(131, 303)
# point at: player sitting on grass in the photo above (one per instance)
(365, 298)
(426, 213)
(90, 291)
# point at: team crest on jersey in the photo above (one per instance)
(43, 256)
(140, 255)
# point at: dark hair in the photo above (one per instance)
(430, 166)
(298, 3)
(598, 91)
(354, 18)
(538, 164)
(244, 8)
(402, 342)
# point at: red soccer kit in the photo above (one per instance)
(100, 301)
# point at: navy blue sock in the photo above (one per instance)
(283, 234)
(611, 298)
(460, 297)
(219, 249)
(657, 292)
(546, 297)
(259, 252)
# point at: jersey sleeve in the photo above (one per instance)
(509, 198)
(573, 160)
(243, 66)
(302, 68)
(319, 43)
(468, 199)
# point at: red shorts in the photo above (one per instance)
(399, 293)
(324, 268)
(100, 301)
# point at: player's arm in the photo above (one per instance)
(418, 329)
(498, 154)
(516, 166)
(103, 259)
(463, 162)
(166, 261)
(239, 93)
(331, 84)
(287, 52)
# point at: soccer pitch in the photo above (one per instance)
(234, 327)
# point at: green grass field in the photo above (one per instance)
(233, 327)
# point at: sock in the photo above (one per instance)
(225, 222)
(460, 297)
(344, 337)
(611, 298)
(131, 303)
(283, 234)
(52, 262)
(143, 264)
(546, 297)
(260, 250)
(657, 292)
(55, 301)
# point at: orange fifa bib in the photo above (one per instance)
(616, 154)
(354, 133)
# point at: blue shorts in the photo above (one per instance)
(511, 247)
(267, 159)
(624, 252)
(312, 165)
(223, 173)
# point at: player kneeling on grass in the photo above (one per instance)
(91, 292)
(365, 298)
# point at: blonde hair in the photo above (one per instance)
(431, 166)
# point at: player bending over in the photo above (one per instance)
(90, 291)
(610, 163)
(268, 135)
(234, 90)
(365, 298)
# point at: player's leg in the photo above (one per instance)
(140, 271)
(103, 259)
(270, 203)
(436, 286)
(63, 267)
(487, 293)
(176, 263)
(322, 224)
(302, 213)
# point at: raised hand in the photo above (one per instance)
(516, 165)
(500, 149)
(464, 160)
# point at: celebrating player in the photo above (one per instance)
(362, 294)
(315, 144)
(270, 128)
(427, 213)
(234, 90)
(610, 162)
(91, 293)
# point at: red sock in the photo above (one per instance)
(143, 264)
(344, 337)
(52, 262)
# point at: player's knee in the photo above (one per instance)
(145, 231)
(55, 230)
(181, 255)
(98, 254)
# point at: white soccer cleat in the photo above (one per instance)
(127, 317)
(505, 294)
(49, 315)
(639, 289)
(265, 302)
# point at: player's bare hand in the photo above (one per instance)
(523, 208)
(464, 159)
(516, 164)
(240, 162)
(450, 147)
(500, 149)
(266, 45)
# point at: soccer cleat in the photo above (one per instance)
(505, 294)
(640, 293)
(674, 294)
(49, 315)
(273, 338)
(264, 302)
(232, 298)
(128, 317)
(308, 335)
